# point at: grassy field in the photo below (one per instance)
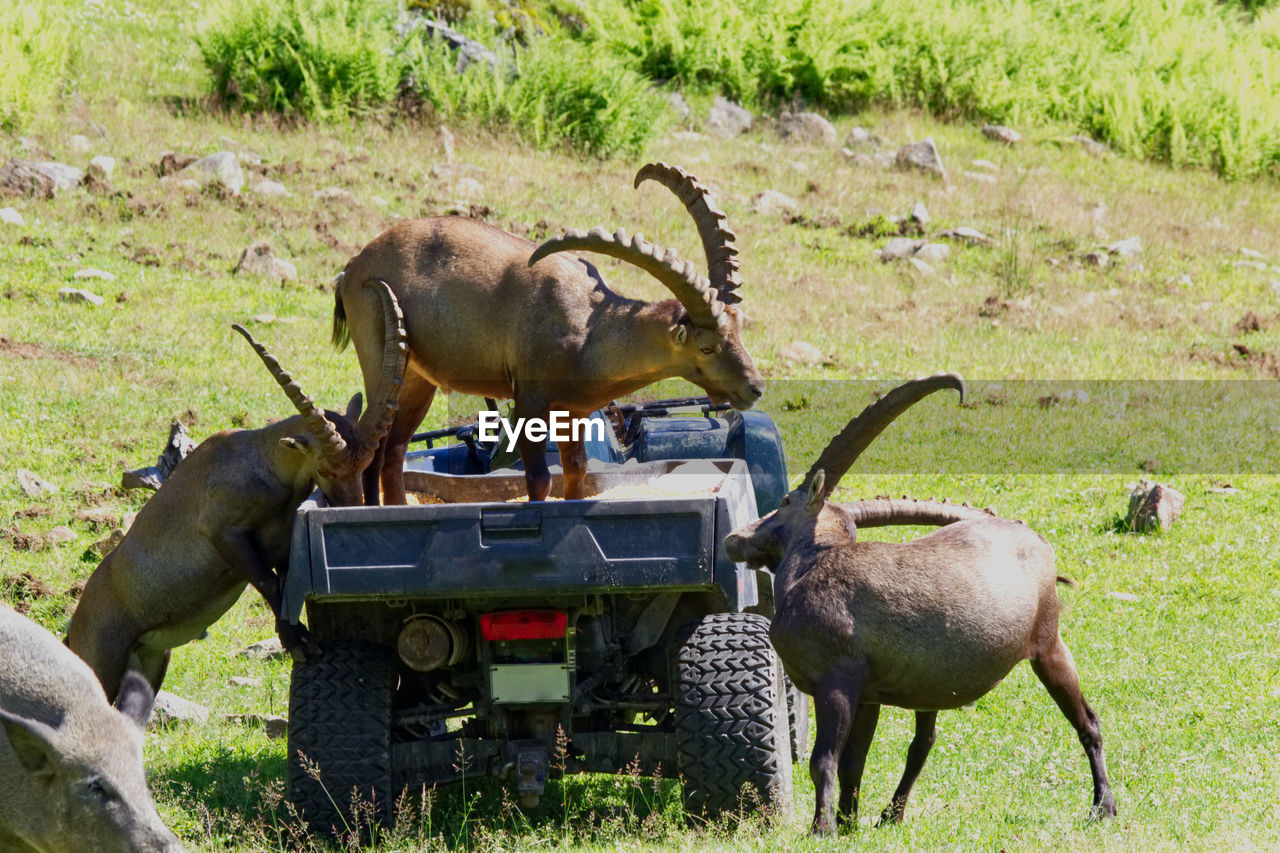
(1183, 670)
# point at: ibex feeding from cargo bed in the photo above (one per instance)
(491, 314)
(71, 774)
(927, 625)
(224, 518)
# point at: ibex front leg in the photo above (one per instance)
(238, 549)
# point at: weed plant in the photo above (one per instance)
(34, 51)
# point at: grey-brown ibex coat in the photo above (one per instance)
(928, 624)
(224, 518)
(494, 315)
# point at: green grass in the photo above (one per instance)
(34, 52)
(1186, 678)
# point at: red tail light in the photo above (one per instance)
(523, 625)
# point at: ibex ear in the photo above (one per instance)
(354, 407)
(32, 743)
(679, 334)
(813, 500)
(300, 443)
(135, 698)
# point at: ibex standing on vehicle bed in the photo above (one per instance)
(491, 314)
(929, 624)
(224, 518)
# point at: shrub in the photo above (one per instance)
(33, 54)
(321, 60)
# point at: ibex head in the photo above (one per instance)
(708, 336)
(334, 449)
(762, 543)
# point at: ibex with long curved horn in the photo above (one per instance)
(929, 624)
(223, 519)
(491, 314)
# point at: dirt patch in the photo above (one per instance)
(19, 349)
(24, 590)
(1262, 362)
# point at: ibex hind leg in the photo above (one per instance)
(917, 753)
(854, 759)
(1057, 671)
(835, 701)
(415, 399)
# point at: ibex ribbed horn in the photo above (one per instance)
(845, 448)
(381, 411)
(332, 445)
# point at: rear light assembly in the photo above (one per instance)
(523, 625)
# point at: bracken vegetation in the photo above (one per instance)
(33, 53)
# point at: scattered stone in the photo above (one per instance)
(1223, 489)
(33, 485)
(933, 252)
(170, 709)
(77, 294)
(176, 448)
(1250, 322)
(920, 266)
(985, 165)
(1126, 248)
(899, 248)
(1251, 253)
(258, 259)
(9, 216)
(1092, 146)
(727, 119)
(922, 156)
(979, 177)
(221, 168)
(64, 177)
(801, 352)
(860, 136)
(269, 188)
(806, 129)
(93, 272)
(919, 214)
(1071, 396)
(100, 516)
(1153, 507)
(172, 163)
(274, 725)
(331, 195)
(678, 105)
(1097, 259)
(1000, 133)
(468, 49)
(1123, 596)
(771, 202)
(268, 649)
(243, 681)
(263, 319)
(60, 535)
(102, 167)
(79, 144)
(107, 544)
(965, 234)
(468, 188)
(22, 178)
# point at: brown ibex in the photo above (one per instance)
(224, 518)
(929, 624)
(491, 314)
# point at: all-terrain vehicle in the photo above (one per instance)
(475, 634)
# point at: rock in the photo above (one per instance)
(1000, 133)
(1097, 259)
(771, 202)
(243, 681)
(860, 136)
(1126, 248)
(60, 535)
(263, 319)
(468, 49)
(678, 105)
(1153, 507)
(1092, 146)
(806, 129)
(979, 177)
(899, 248)
(102, 167)
(258, 259)
(920, 266)
(727, 119)
(919, 214)
(965, 234)
(64, 177)
(99, 516)
(77, 294)
(1251, 253)
(335, 195)
(268, 649)
(22, 178)
(1122, 596)
(468, 188)
(801, 352)
(933, 252)
(143, 478)
(170, 709)
(79, 143)
(985, 165)
(274, 725)
(107, 544)
(176, 448)
(269, 189)
(9, 216)
(172, 163)
(93, 272)
(221, 168)
(921, 156)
